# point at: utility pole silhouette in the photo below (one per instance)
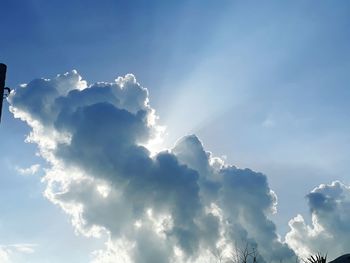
(3, 95)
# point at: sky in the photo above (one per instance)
(259, 85)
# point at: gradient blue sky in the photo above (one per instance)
(265, 83)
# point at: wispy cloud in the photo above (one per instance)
(33, 169)
(8, 252)
(269, 122)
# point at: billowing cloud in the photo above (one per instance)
(330, 229)
(179, 205)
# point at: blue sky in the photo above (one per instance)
(265, 84)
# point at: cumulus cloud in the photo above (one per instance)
(179, 205)
(329, 230)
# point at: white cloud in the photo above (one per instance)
(4, 255)
(329, 230)
(9, 252)
(24, 248)
(177, 205)
(33, 169)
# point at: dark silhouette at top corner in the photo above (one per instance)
(342, 259)
(4, 91)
